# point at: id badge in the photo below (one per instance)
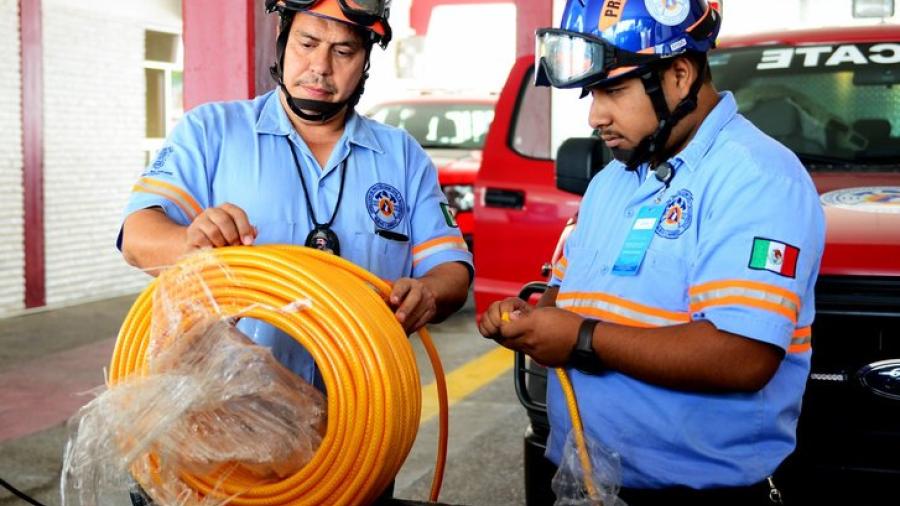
(639, 237)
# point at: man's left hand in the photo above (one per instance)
(546, 334)
(414, 303)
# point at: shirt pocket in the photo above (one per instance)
(387, 258)
(582, 269)
(664, 276)
(277, 232)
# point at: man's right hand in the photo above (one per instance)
(225, 225)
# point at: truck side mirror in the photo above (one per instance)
(577, 160)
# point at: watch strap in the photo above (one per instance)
(584, 357)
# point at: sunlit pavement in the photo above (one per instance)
(50, 359)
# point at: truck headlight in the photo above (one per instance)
(460, 196)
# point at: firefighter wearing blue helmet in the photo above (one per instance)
(601, 43)
(682, 304)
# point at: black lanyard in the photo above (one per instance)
(321, 237)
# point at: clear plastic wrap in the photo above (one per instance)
(569, 483)
(210, 404)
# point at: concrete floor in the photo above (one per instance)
(47, 358)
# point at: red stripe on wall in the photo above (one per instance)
(33, 150)
(263, 42)
(218, 50)
(251, 48)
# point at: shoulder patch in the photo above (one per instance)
(157, 166)
(449, 215)
(385, 205)
(774, 256)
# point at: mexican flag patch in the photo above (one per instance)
(448, 216)
(774, 256)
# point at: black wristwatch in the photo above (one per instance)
(583, 356)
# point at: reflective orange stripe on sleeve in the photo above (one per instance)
(618, 310)
(559, 269)
(801, 341)
(428, 248)
(170, 192)
(746, 293)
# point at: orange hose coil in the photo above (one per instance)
(366, 362)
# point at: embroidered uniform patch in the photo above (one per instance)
(157, 166)
(677, 216)
(774, 256)
(385, 205)
(449, 215)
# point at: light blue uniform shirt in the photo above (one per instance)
(735, 190)
(238, 153)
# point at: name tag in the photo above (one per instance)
(639, 237)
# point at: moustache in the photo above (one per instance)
(316, 82)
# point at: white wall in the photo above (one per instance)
(12, 257)
(149, 13)
(469, 48)
(94, 124)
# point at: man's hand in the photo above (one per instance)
(499, 313)
(225, 225)
(546, 334)
(413, 302)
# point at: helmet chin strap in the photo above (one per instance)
(321, 110)
(653, 147)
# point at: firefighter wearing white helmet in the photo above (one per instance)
(683, 301)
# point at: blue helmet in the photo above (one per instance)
(600, 40)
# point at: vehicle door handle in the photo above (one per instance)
(509, 199)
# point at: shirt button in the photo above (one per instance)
(604, 269)
(629, 213)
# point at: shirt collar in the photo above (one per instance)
(274, 120)
(714, 122)
(358, 131)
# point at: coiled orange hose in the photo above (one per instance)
(366, 362)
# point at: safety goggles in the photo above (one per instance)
(361, 12)
(566, 59)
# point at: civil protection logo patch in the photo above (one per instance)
(157, 166)
(677, 216)
(385, 205)
(668, 12)
(871, 199)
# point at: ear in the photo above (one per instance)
(682, 73)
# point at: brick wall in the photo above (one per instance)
(93, 134)
(12, 258)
